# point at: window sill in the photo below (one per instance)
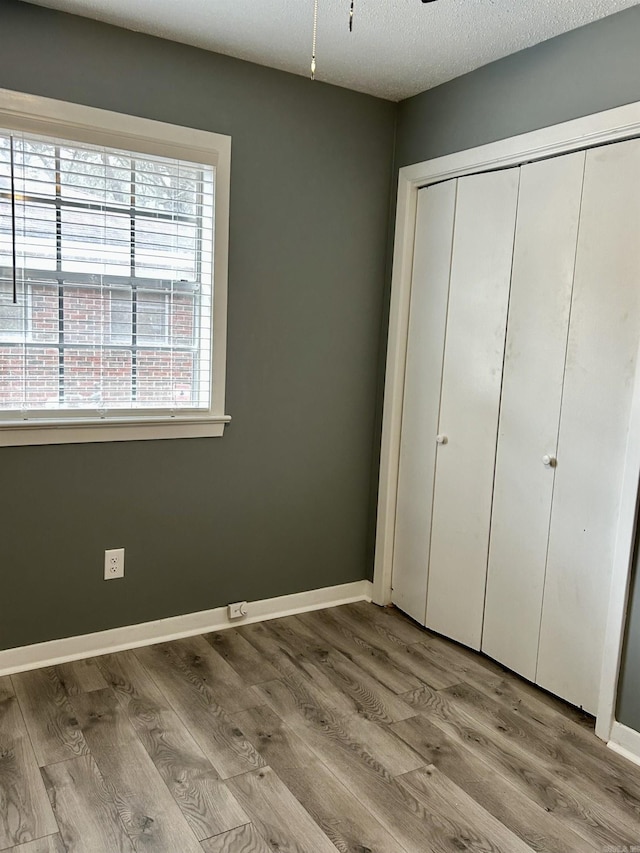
(125, 429)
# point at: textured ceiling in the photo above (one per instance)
(397, 48)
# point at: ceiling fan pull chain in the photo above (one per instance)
(315, 34)
(351, 17)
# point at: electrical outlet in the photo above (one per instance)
(113, 563)
(237, 610)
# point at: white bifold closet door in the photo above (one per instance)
(538, 325)
(600, 367)
(522, 349)
(423, 376)
(469, 403)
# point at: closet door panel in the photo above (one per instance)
(601, 356)
(423, 377)
(539, 307)
(472, 377)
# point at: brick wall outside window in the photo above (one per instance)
(103, 368)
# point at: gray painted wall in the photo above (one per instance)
(591, 69)
(594, 68)
(281, 503)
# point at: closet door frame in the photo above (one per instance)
(609, 126)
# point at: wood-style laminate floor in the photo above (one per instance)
(350, 729)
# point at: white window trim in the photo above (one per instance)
(49, 117)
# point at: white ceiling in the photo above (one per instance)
(397, 48)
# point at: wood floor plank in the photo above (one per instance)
(331, 628)
(356, 767)
(327, 627)
(412, 659)
(289, 662)
(559, 723)
(277, 815)
(242, 656)
(468, 666)
(536, 826)
(149, 813)
(537, 704)
(370, 698)
(85, 810)
(49, 717)
(390, 622)
(336, 810)
(463, 664)
(204, 799)
(25, 811)
(80, 676)
(245, 839)
(311, 686)
(502, 685)
(220, 740)
(580, 770)
(452, 813)
(349, 688)
(50, 844)
(351, 729)
(398, 628)
(585, 817)
(206, 666)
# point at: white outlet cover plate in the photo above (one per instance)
(237, 610)
(113, 563)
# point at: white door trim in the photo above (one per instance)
(597, 129)
(621, 575)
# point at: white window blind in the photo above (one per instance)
(106, 278)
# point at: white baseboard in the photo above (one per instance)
(162, 630)
(625, 742)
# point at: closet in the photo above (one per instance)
(523, 331)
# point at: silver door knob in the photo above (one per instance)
(441, 439)
(549, 461)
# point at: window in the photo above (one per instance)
(113, 241)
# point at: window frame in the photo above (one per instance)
(82, 124)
